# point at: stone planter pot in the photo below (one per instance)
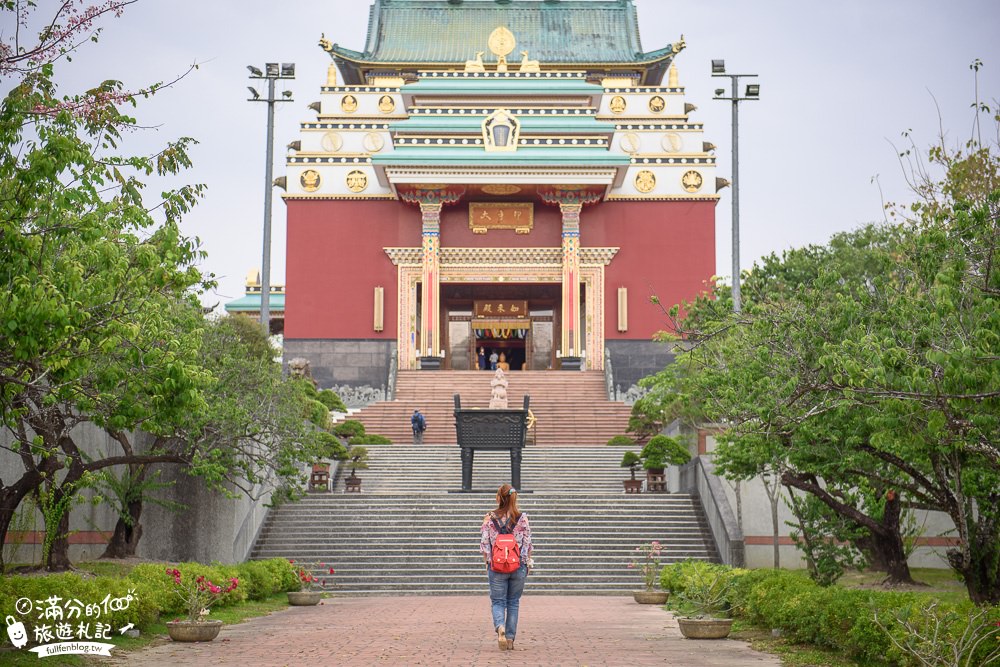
(193, 631)
(651, 597)
(304, 598)
(705, 628)
(632, 485)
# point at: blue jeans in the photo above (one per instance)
(505, 596)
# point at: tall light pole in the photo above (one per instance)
(752, 93)
(272, 72)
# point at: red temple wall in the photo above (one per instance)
(335, 258)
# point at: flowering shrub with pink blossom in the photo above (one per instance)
(648, 563)
(199, 593)
(309, 581)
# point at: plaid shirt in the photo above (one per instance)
(522, 535)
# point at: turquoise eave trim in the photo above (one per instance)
(467, 123)
(475, 156)
(251, 302)
(468, 86)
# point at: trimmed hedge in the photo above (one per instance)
(621, 441)
(152, 589)
(331, 400)
(369, 439)
(834, 617)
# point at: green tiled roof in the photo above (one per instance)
(475, 156)
(407, 32)
(251, 302)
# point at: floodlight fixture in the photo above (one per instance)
(719, 92)
(255, 71)
(753, 90)
(272, 69)
(287, 94)
(718, 67)
(253, 91)
(288, 70)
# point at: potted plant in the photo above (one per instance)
(198, 595)
(311, 587)
(705, 595)
(648, 562)
(357, 458)
(631, 461)
(659, 452)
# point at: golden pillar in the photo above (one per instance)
(571, 278)
(430, 291)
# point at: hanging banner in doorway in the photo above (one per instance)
(519, 216)
(500, 310)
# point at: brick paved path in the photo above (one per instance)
(455, 630)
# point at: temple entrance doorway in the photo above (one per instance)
(519, 322)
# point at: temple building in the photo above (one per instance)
(514, 176)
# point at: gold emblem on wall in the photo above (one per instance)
(617, 104)
(357, 180)
(501, 189)
(373, 142)
(657, 104)
(672, 142)
(501, 42)
(310, 180)
(630, 142)
(484, 216)
(645, 181)
(349, 103)
(386, 104)
(692, 180)
(332, 142)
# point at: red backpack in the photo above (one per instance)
(506, 555)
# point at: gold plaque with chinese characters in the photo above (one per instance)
(310, 180)
(349, 103)
(484, 216)
(500, 189)
(692, 180)
(357, 180)
(499, 309)
(385, 104)
(617, 104)
(645, 181)
(657, 104)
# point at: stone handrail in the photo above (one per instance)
(698, 477)
(390, 387)
(256, 509)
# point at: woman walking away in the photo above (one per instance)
(508, 562)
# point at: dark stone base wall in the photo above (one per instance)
(355, 362)
(632, 360)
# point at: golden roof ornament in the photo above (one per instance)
(502, 42)
(529, 65)
(677, 47)
(672, 79)
(331, 75)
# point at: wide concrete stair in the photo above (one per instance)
(571, 408)
(410, 532)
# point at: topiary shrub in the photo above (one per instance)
(621, 441)
(349, 428)
(661, 451)
(331, 400)
(330, 446)
(316, 413)
(369, 439)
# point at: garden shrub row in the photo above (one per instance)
(153, 591)
(834, 617)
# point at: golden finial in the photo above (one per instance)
(672, 80)
(331, 75)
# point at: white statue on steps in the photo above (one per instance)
(498, 398)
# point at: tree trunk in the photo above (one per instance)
(58, 560)
(10, 500)
(982, 573)
(126, 537)
(873, 555)
(887, 543)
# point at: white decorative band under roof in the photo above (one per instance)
(345, 126)
(433, 74)
(674, 160)
(329, 160)
(661, 126)
(531, 111)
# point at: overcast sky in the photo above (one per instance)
(839, 81)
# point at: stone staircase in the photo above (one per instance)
(410, 532)
(572, 408)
